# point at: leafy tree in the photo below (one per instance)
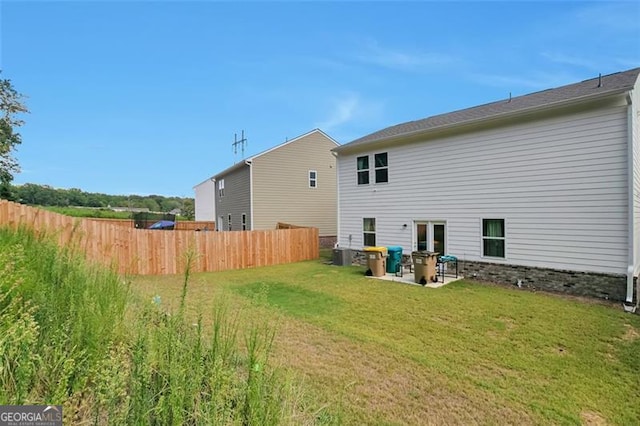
(11, 104)
(5, 192)
(188, 209)
(169, 204)
(151, 204)
(76, 197)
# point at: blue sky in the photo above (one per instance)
(145, 97)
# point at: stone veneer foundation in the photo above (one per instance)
(602, 286)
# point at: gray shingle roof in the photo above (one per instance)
(612, 83)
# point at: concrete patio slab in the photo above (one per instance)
(408, 278)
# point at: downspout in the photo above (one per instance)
(630, 199)
(337, 200)
(248, 163)
(215, 198)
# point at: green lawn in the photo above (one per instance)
(370, 351)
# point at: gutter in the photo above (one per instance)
(630, 200)
(335, 154)
(248, 163)
(215, 203)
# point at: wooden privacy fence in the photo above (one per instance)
(184, 225)
(125, 223)
(193, 225)
(154, 252)
(282, 225)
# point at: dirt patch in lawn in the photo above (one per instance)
(630, 334)
(591, 418)
(375, 386)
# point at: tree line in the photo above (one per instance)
(45, 195)
(11, 109)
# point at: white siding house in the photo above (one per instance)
(543, 188)
(204, 200)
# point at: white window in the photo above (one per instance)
(221, 188)
(313, 179)
(229, 221)
(369, 231)
(493, 238)
(363, 170)
(381, 165)
(244, 221)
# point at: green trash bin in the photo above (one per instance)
(394, 259)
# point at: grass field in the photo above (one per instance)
(86, 212)
(377, 352)
(72, 334)
(93, 213)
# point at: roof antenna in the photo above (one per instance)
(509, 97)
(242, 142)
(599, 79)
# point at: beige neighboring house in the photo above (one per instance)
(294, 183)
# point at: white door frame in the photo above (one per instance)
(430, 233)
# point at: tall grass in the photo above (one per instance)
(72, 334)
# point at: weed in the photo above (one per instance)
(73, 334)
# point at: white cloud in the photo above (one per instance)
(342, 111)
(628, 62)
(602, 64)
(373, 53)
(524, 83)
(565, 59)
(348, 113)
